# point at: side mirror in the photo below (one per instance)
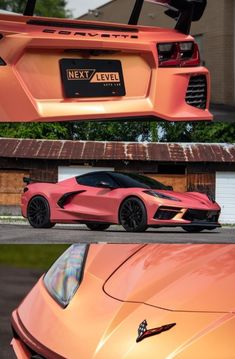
(170, 188)
(104, 184)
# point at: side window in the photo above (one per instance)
(95, 178)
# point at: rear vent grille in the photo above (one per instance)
(197, 92)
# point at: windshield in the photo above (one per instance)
(128, 180)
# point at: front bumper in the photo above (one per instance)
(25, 346)
(175, 216)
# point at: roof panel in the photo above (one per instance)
(91, 150)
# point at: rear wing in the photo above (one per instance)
(183, 11)
(28, 180)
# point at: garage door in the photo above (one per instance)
(65, 172)
(225, 195)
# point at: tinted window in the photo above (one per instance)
(93, 179)
(127, 180)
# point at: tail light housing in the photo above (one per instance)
(178, 54)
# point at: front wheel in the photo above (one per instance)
(38, 213)
(193, 229)
(133, 215)
(97, 226)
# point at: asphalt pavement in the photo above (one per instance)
(23, 233)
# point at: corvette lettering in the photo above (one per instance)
(89, 34)
(144, 333)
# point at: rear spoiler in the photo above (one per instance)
(29, 180)
(184, 11)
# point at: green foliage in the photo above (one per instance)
(30, 255)
(213, 132)
(53, 8)
(51, 131)
(87, 131)
(175, 132)
(122, 131)
(197, 132)
(108, 131)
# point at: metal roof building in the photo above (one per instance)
(131, 151)
(203, 167)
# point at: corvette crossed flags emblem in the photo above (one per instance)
(143, 332)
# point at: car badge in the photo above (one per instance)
(143, 332)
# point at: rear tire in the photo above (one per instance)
(193, 229)
(38, 213)
(133, 215)
(97, 226)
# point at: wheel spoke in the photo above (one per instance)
(131, 215)
(37, 211)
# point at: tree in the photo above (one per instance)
(51, 131)
(53, 8)
(197, 132)
(175, 132)
(213, 132)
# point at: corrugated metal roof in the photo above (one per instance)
(91, 150)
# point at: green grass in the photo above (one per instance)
(39, 256)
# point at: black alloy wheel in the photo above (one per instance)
(193, 229)
(133, 215)
(38, 213)
(97, 226)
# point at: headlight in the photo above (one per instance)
(161, 195)
(64, 277)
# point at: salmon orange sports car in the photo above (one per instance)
(100, 199)
(62, 69)
(164, 301)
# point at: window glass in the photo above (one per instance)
(93, 179)
(128, 180)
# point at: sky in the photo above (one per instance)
(80, 7)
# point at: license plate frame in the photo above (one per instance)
(92, 78)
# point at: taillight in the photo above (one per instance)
(178, 54)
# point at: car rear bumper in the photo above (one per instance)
(33, 78)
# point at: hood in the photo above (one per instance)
(195, 278)
(108, 328)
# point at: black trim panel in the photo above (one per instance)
(65, 196)
(74, 25)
